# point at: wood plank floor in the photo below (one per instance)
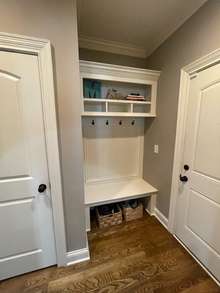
(137, 257)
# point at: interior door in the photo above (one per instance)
(198, 213)
(26, 226)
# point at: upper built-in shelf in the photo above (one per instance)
(100, 81)
(108, 192)
(103, 107)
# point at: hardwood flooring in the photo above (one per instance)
(137, 257)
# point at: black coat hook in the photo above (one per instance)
(106, 123)
(120, 122)
(93, 122)
(133, 122)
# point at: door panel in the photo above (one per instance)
(198, 205)
(21, 228)
(204, 184)
(204, 227)
(14, 161)
(26, 226)
(16, 188)
(207, 156)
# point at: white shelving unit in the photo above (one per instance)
(107, 102)
(124, 79)
(113, 134)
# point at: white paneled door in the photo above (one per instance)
(26, 225)
(198, 214)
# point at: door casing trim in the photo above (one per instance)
(187, 72)
(42, 48)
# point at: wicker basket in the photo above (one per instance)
(109, 220)
(130, 214)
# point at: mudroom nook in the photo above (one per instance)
(109, 146)
(116, 100)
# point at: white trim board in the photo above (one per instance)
(77, 256)
(42, 49)
(113, 47)
(160, 216)
(88, 69)
(186, 73)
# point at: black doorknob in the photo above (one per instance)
(186, 167)
(183, 178)
(42, 188)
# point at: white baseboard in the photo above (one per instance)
(160, 217)
(149, 212)
(77, 256)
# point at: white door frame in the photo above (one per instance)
(187, 73)
(42, 49)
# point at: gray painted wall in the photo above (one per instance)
(197, 37)
(56, 20)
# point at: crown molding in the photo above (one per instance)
(122, 72)
(111, 47)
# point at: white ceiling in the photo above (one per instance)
(144, 24)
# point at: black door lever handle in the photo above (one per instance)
(183, 178)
